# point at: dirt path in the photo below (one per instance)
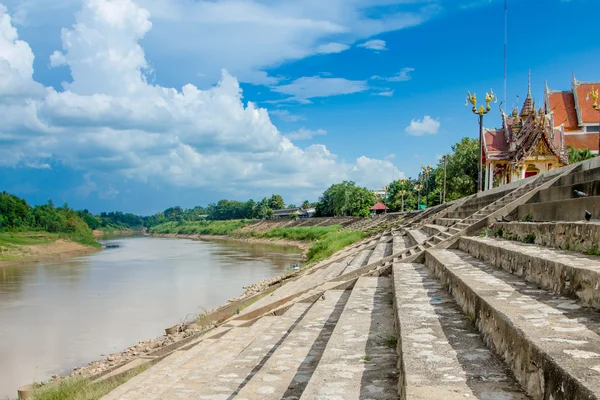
(59, 249)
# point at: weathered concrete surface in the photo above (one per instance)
(152, 383)
(550, 342)
(573, 236)
(292, 364)
(442, 355)
(431, 230)
(561, 210)
(416, 237)
(400, 243)
(446, 222)
(591, 188)
(561, 272)
(359, 361)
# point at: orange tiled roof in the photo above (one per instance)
(563, 106)
(588, 114)
(583, 141)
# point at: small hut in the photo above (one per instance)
(379, 208)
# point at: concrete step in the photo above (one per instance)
(574, 236)
(358, 261)
(550, 343)
(442, 355)
(285, 373)
(336, 269)
(359, 361)
(561, 210)
(561, 272)
(152, 383)
(400, 242)
(587, 175)
(201, 382)
(377, 253)
(416, 237)
(431, 230)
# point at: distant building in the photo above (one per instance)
(572, 113)
(290, 212)
(380, 193)
(527, 144)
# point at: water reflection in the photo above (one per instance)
(56, 316)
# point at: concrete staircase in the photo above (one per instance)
(422, 312)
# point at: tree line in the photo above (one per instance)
(341, 199)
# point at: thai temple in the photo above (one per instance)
(534, 141)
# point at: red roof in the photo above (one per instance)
(584, 141)
(563, 106)
(588, 114)
(495, 141)
(379, 207)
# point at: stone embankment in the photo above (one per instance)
(424, 311)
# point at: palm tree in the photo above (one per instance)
(576, 155)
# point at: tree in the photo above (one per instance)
(345, 199)
(276, 202)
(577, 155)
(461, 169)
(305, 204)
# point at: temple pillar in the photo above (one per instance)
(490, 180)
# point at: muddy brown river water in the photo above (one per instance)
(59, 315)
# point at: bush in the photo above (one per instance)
(333, 242)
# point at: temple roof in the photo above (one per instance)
(523, 134)
(573, 108)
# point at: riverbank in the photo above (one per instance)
(302, 245)
(101, 234)
(30, 247)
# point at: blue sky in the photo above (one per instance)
(140, 105)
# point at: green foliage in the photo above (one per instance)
(529, 238)
(345, 199)
(593, 250)
(527, 218)
(16, 215)
(306, 233)
(332, 243)
(577, 155)
(276, 202)
(461, 169)
(199, 227)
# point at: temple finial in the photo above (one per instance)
(529, 84)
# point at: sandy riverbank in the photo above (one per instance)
(56, 250)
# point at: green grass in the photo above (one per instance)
(83, 388)
(26, 238)
(305, 233)
(332, 243)
(200, 227)
(13, 244)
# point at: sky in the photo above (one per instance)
(139, 105)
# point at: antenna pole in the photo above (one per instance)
(505, 45)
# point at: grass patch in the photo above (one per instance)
(366, 358)
(305, 233)
(332, 243)
(527, 218)
(529, 238)
(83, 388)
(200, 227)
(593, 250)
(13, 244)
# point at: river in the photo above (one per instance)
(59, 315)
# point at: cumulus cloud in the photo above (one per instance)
(305, 134)
(375, 44)
(111, 120)
(425, 126)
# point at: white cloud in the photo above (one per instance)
(256, 34)
(426, 126)
(386, 93)
(403, 75)
(332, 48)
(305, 134)
(308, 87)
(110, 121)
(375, 44)
(286, 116)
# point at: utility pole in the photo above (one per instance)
(444, 199)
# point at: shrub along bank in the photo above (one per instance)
(327, 239)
